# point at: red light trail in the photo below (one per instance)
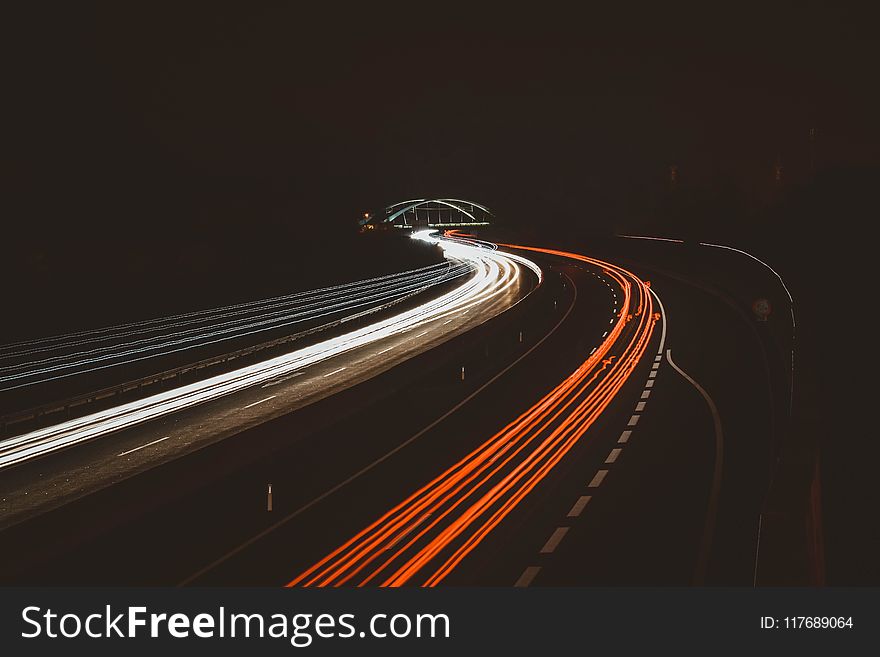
(422, 539)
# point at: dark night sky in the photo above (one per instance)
(259, 115)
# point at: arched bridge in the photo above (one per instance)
(430, 213)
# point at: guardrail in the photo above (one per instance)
(54, 407)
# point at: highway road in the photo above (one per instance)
(423, 539)
(103, 447)
(36, 362)
(614, 477)
(671, 499)
(603, 435)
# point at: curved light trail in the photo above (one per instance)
(231, 323)
(422, 539)
(493, 273)
(121, 330)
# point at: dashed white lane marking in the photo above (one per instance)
(420, 334)
(334, 372)
(383, 351)
(611, 321)
(597, 480)
(613, 454)
(554, 540)
(142, 446)
(528, 576)
(582, 502)
(381, 459)
(259, 402)
(531, 572)
(446, 322)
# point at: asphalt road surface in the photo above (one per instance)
(642, 459)
(84, 454)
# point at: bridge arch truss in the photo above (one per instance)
(433, 213)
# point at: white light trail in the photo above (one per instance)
(122, 330)
(494, 274)
(316, 306)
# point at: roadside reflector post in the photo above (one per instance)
(269, 498)
(462, 372)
